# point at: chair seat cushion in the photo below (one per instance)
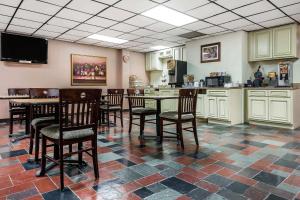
(53, 132)
(174, 115)
(105, 107)
(149, 111)
(42, 120)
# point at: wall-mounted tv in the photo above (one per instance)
(23, 49)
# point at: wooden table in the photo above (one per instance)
(158, 100)
(5, 97)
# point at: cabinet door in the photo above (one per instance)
(156, 63)
(148, 61)
(212, 110)
(280, 110)
(183, 54)
(258, 108)
(177, 53)
(201, 106)
(223, 111)
(284, 42)
(263, 45)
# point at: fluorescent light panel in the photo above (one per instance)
(159, 47)
(170, 16)
(107, 39)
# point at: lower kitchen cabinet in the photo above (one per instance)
(280, 110)
(258, 108)
(201, 106)
(223, 112)
(212, 107)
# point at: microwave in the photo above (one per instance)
(217, 81)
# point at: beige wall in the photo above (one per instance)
(57, 72)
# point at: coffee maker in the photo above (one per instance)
(285, 75)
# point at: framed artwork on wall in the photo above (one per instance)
(211, 52)
(88, 70)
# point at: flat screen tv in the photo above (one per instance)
(23, 49)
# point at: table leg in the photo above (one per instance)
(158, 111)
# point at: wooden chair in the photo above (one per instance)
(15, 109)
(137, 108)
(114, 104)
(186, 113)
(78, 122)
(42, 116)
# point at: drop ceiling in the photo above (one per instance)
(75, 20)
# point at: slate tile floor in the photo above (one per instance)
(240, 162)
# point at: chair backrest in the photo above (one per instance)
(18, 91)
(115, 97)
(44, 93)
(135, 103)
(187, 101)
(78, 109)
(53, 92)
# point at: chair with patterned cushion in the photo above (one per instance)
(42, 115)
(186, 113)
(15, 109)
(78, 122)
(114, 104)
(137, 108)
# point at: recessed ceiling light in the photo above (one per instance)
(170, 16)
(107, 39)
(159, 47)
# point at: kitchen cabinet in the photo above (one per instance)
(212, 107)
(258, 108)
(274, 43)
(148, 61)
(201, 106)
(223, 112)
(153, 63)
(280, 110)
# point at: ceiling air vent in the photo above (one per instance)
(191, 35)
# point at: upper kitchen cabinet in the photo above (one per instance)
(153, 62)
(275, 43)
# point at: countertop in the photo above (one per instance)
(230, 88)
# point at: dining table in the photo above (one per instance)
(9, 97)
(158, 100)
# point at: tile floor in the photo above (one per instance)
(240, 162)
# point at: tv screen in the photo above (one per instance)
(24, 49)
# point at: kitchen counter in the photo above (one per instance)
(271, 88)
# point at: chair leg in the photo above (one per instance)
(121, 117)
(107, 118)
(180, 134)
(37, 144)
(32, 133)
(115, 117)
(61, 166)
(70, 148)
(80, 153)
(130, 123)
(161, 131)
(142, 125)
(43, 160)
(195, 131)
(11, 123)
(95, 158)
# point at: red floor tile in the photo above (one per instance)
(226, 172)
(293, 180)
(210, 169)
(188, 178)
(45, 185)
(150, 179)
(86, 193)
(243, 179)
(195, 173)
(208, 186)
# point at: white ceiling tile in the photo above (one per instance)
(26, 23)
(89, 28)
(222, 18)
(32, 16)
(4, 19)
(55, 29)
(160, 1)
(145, 40)
(40, 7)
(46, 34)
(99, 21)
(20, 29)
(231, 4)
(2, 26)
(205, 11)
(88, 6)
(13, 3)
(69, 37)
(129, 36)
(133, 43)
(6, 10)
(237, 23)
(116, 14)
(144, 46)
(62, 22)
(296, 17)
(176, 31)
(223, 32)
(183, 6)
(261, 6)
(197, 25)
(110, 33)
(291, 10)
(106, 44)
(252, 27)
(277, 22)
(124, 27)
(135, 6)
(165, 43)
(159, 35)
(88, 41)
(140, 21)
(160, 27)
(212, 30)
(174, 39)
(273, 14)
(143, 32)
(57, 2)
(109, 2)
(78, 33)
(281, 3)
(73, 15)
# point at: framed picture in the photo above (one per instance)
(211, 52)
(88, 70)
